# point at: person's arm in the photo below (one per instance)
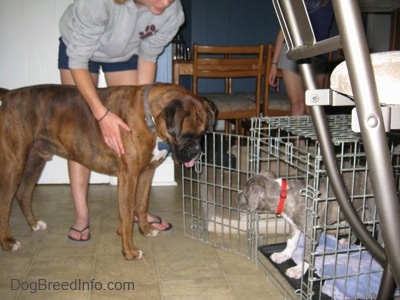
(275, 58)
(108, 121)
(87, 89)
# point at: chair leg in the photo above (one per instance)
(238, 126)
(226, 125)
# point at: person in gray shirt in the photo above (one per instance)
(124, 38)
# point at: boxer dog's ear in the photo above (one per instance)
(173, 115)
(211, 110)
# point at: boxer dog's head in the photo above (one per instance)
(183, 123)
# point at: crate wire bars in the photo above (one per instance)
(288, 147)
(299, 36)
(375, 151)
(211, 213)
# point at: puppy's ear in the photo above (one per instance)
(241, 200)
(256, 197)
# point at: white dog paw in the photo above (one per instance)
(140, 256)
(279, 257)
(297, 271)
(16, 246)
(343, 242)
(294, 272)
(153, 233)
(40, 225)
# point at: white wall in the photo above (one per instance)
(28, 56)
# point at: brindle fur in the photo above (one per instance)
(38, 122)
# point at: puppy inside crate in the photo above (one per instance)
(263, 192)
(225, 169)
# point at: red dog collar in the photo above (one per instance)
(282, 198)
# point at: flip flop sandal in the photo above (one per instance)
(168, 229)
(80, 232)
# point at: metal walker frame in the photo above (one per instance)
(299, 36)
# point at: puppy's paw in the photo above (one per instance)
(279, 257)
(297, 271)
(343, 242)
(40, 225)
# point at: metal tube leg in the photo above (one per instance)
(371, 124)
(388, 285)
(329, 158)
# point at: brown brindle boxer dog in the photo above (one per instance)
(38, 122)
(2, 93)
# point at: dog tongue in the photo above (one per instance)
(189, 164)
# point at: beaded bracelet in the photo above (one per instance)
(104, 115)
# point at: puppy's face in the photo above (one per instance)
(184, 122)
(259, 192)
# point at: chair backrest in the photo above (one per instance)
(230, 62)
(281, 106)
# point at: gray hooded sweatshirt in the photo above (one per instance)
(103, 31)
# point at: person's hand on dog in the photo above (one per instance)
(109, 122)
(110, 128)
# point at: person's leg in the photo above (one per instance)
(130, 77)
(295, 91)
(79, 179)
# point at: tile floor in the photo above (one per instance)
(174, 266)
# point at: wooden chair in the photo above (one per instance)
(275, 102)
(230, 62)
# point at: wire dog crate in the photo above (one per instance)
(287, 146)
(339, 268)
(210, 189)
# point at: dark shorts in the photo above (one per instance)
(94, 66)
(284, 63)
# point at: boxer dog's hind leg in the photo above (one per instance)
(10, 175)
(32, 171)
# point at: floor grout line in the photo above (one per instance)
(224, 273)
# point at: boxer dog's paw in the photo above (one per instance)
(16, 246)
(153, 232)
(135, 254)
(279, 257)
(148, 230)
(40, 225)
(10, 244)
(297, 271)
